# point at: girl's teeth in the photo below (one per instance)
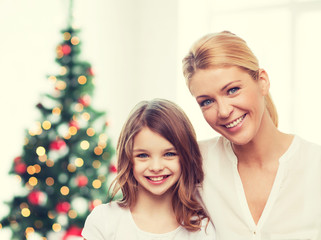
(156, 178)
(234, 123)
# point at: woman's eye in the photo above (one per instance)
(170, 154)
(206, 102)
(142, 155)
(232, 90)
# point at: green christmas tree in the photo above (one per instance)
(66, 160)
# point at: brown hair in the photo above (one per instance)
(167, 119)
(224, 49)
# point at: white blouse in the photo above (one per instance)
(293, 209)
(111, 222)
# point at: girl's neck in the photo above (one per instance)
(266, 147)
(154, 214)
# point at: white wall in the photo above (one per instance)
(130, 44)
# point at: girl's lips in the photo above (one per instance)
(157, 179)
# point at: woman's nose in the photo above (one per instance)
(224, 109)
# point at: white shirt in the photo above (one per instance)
(293, 209)
(109, 221)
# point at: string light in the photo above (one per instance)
(56, 227)
(49, 163)
(64, 190)
(42, 158)
(50, 181)
(52, 79)
(61, 85)
(25, 212)
(74, 40)
(71, 167)
(96, 183)
(72, 214)
(82, 80)
(63, 70)
(85, 116)
(98, 150)
(46, 125)
(38, 224)
(56, 111)
(31, 170)
(84, 144)
(90, 132)
(33, 181)
(72, 130)
(37, 168)
(40, 151)
(79, 107)
(96, 164)
(79, 162)
(51, 215)
(67, 36)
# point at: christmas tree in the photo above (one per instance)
(66, 159)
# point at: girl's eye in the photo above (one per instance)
(142, 155)
(205, 102)
(170, 154)
(232, 90)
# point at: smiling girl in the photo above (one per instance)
(159, 173)
(260, 183)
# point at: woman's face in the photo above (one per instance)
(231, 101)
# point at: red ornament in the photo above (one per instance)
(57, 144)
(85, 100)
(37, 198)
(72, 231)
(17, 159)
(74, 123)
(113, 168)
(66, 49)
(63, 207)
(90, 72)
(81, 181)
(20, 167)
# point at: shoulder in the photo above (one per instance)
(209, 143)
(207, 232)
(102, 221)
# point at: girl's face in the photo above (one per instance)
(231, 101)
(156, 163)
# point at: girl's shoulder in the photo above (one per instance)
(103, 220)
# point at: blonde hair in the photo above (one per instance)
(168, 120)
(224, 49)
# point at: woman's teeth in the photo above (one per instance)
(234, 123)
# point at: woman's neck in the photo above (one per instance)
(266, 147)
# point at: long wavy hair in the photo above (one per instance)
(168, 120)
(224, 49)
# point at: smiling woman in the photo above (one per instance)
(268, 176)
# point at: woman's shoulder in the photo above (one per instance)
(213, 144)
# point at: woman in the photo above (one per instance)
(260, 183)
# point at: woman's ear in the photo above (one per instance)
(264, 82)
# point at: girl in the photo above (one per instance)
(159, 172)
(260, 183)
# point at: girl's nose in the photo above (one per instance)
(156, 165)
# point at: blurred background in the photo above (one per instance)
(136, 47)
